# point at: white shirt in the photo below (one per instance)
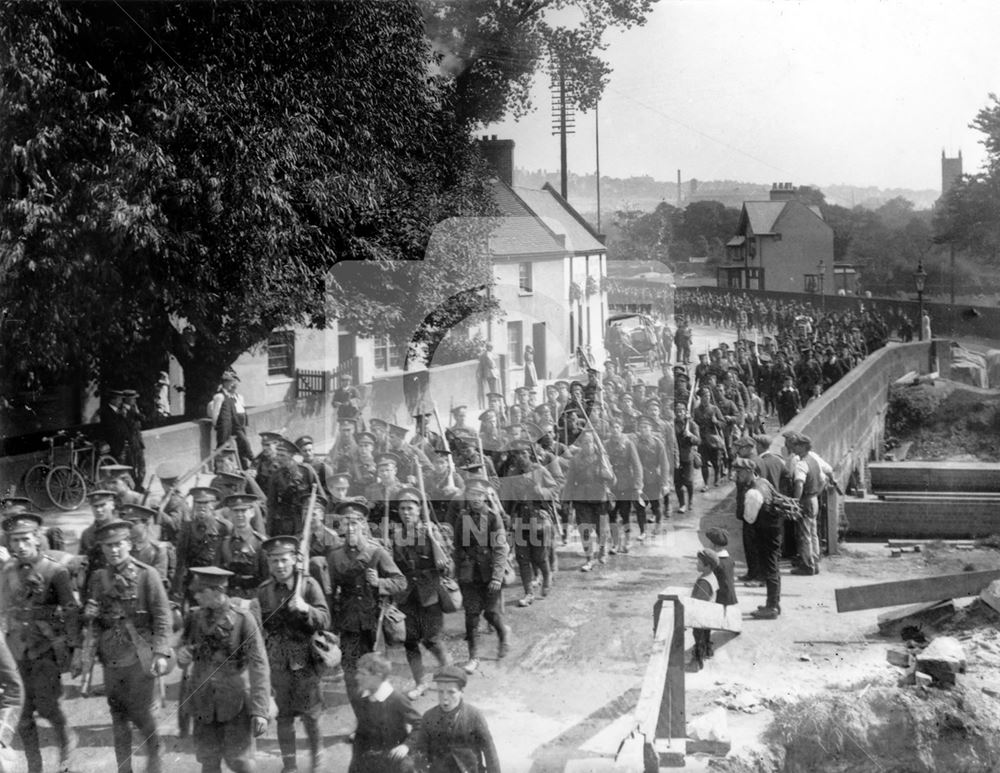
(216, 404)
(379, 696)
(753, 500)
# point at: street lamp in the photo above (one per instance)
(920, 278)
(822, 276)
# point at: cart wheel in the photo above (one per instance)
(67, 488)
(34, 486)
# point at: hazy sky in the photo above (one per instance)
(819, 92)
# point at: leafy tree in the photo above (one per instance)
(493, 49)
(707, 220)
(182, 178)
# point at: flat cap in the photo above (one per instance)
(99, 495)
(709, 557)
(305, 440)
(451, 675)
(717, 536)
(409, 494)
(743, 442)
(742, 463)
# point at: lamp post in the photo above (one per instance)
(822, 275)
(919, 278)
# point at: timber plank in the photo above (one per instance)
(892, 594)
(704, 614)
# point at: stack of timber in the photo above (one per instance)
(932, 500)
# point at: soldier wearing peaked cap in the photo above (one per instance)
(290, 620)
(42, 623)
(229, 703)
(174, 510)
(361, 572)
(383, 492)
(131, 617)
(144, 547)
(242, 555)
(202, 539)
(229, 483)
(118, 478)
(103, 505)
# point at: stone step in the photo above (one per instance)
(966, 477)
(872, 517)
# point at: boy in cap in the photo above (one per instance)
(419, 552)
(386, 721)
(454, 735)
(43, 627)
(706, 588)
(289, 622)
(129, 610)
(361, 572)
(229, 672)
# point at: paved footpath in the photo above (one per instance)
(576, 662)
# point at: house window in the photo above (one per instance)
(281, 353)
(388, 355)
(524, 277)
(515, 343)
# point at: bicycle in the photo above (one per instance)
(65, 485)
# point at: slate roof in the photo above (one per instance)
(519, 231)
(762, 215)
(561, 219)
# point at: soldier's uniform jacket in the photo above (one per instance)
(288, 633)
(202, 543)
(655, 465)
(242, 556)
(90, 548)
(356, 603)
(285, 489)
(38, 609)
(133, 619)
(528, 497)
(480, 546)
(362, 472)
(378, 495)
(626, 466)
(173, 514)
(416, 557)
(230, 668)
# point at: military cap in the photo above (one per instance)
(99, 494)
(199, 493)
(442, 452)
(472, 467)
(322, 501)
(230, 375)
(723, 345)
(716, 352)
(451, 675)
(680, 368)
(561, 384)
(494, 396)
(210, 576)
(595, 371)
(484, 414)
(521, 390)
(18, 504)
(345, 476)
(645, 420)
(652, 403)
(112, 531)
(115, 393)
(574, 384)
(367, 437)
(271, 437)
(349, 507)
(717, 536)
(519, 444)
(129, 393)
(240, 501)
(228, 479)
(703, 355)
(305, 440)
(169, 471)
(476, 481)
(22, 523)
(409, 494)
(378, 423)
(386, 457)
(344, 419)
(137, 513)
(458, 408)
(742, 463)
(743, 441)
(396, 431)
(282, 544)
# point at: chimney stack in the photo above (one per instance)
(782, 191)
(499, 154)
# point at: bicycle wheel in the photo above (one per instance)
(67, 488)
(34, 486)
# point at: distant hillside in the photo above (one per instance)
(645, 193)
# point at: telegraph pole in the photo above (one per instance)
(597, 154)
(563, 120)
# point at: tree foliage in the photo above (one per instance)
(204, 166)
(493, 49)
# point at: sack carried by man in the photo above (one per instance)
(392, 623)
(783, 506)
(325, 648)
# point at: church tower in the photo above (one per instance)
(951, 171)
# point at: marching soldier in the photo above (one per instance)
(228, 483)
(230, 699)
(102, 505)
(174, 511)
(657, 473)
(322, 539)
(242, 555)
(286, 484)
(131, 617)
(362, 468)
(361, 571)
(118, 479)
(289, 620)
(144, 548)
(420, 554)
(382, 494)
(480, 560)
(202, 539)
(42, 622)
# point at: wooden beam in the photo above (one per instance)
(704, 614)
(647, 710)
(892, 594)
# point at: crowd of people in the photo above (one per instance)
(251, 579)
